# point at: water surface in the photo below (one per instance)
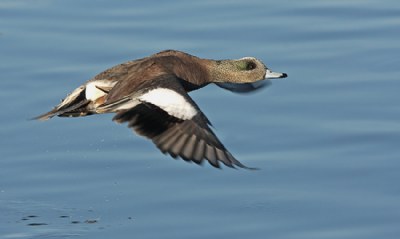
(326, 138)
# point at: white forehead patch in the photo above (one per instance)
(248, 58)
(171, 102)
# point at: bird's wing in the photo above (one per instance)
(166, 114)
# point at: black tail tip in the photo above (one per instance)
(45, 116)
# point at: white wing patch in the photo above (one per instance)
(170, 101)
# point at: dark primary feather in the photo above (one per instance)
(191, 140)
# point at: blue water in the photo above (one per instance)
(326, 138)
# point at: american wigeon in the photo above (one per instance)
(151, 95)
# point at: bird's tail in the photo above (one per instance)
(74, 105)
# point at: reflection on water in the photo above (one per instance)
(326, 138)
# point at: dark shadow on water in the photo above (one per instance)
(37, 221)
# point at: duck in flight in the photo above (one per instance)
(151, 96)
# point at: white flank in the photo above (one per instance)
(171, 102)
(93, 93)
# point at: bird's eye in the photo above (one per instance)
(250, 66)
